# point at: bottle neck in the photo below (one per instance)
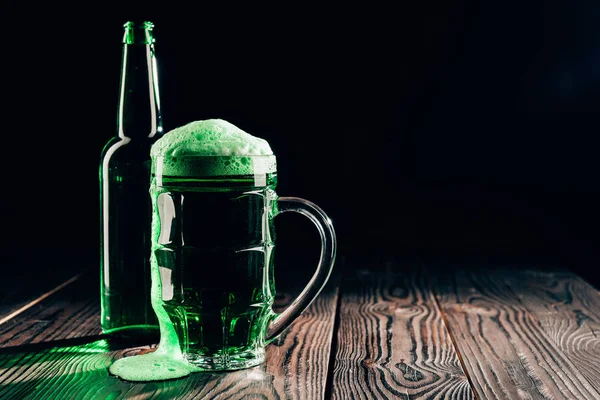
(139, 112)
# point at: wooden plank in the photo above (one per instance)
(392, 342)
(504, 350)
(23, 280)
(72, 312)
(60, 355)
(568, 310)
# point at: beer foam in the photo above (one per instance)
(221, 147)
(156, 366)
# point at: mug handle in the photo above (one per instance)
(324, 268)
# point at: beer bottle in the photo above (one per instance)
(124, 197)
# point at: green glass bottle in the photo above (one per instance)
(124, 197)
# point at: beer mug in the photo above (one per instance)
(213, 240)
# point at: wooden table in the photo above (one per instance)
(381, 329)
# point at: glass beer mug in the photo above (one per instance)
(212, 254)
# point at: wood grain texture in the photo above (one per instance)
(504, 349)
(73, 312)
(391, 341)
(403, 332)
(61, 356)
(567, 309)
(19, 285)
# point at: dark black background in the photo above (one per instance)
(439, 130)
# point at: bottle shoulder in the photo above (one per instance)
(124, 148)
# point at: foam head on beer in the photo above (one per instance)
(234, 151)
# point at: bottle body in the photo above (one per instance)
(125, 206)
(126, 213)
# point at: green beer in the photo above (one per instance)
(213, 249)
(213, 240)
